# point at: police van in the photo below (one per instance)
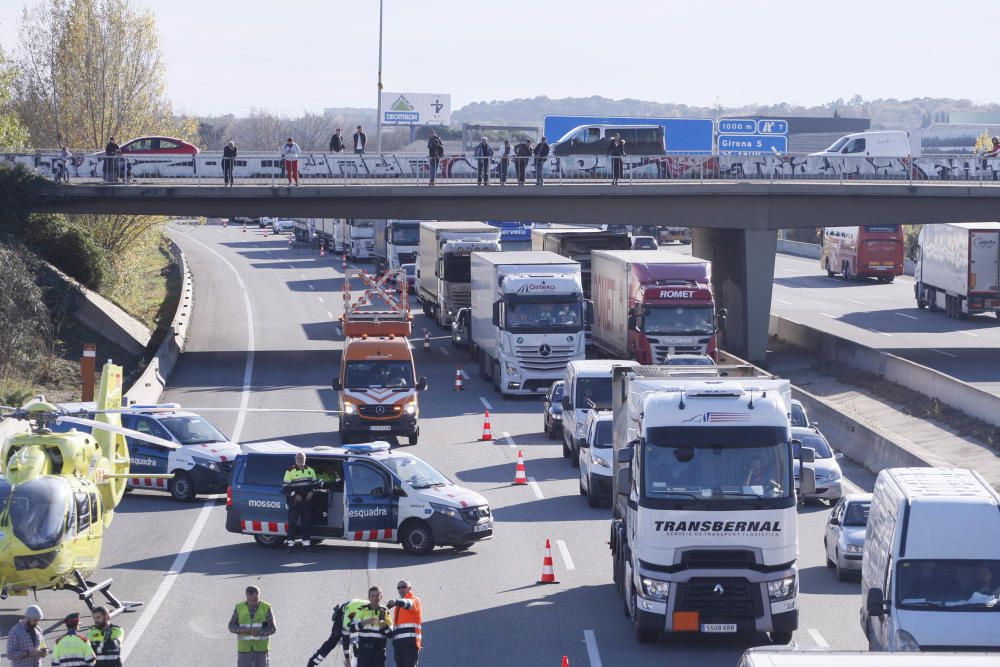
(373, 494)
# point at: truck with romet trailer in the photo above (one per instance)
(704, 536)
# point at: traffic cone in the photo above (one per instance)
(322, 250)
(458, 387)
(343, 261)
(289, 240)
(265, 232)
(244, 227)
(427, 348)
(487, 434)
(565, 662)
(548, 572)
(520, 474)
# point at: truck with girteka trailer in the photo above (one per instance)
(649, 304)
(958, 268)
(443, 265)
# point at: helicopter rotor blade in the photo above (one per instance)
(119, 429)
(303, 410)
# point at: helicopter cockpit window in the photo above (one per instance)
(38, 511)
(82, 512)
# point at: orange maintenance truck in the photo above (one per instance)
(377, 380)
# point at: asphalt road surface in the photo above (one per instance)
(481, 606)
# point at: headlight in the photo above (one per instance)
(653, 588)
(854, 548)
(349, 409)
(905, 641)
(598, 461)
(782, 589)
(511, 368)
(833, 475)
(205, 463)
(445, 510)
(411, 408)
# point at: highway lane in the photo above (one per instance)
(886, 317)
(480, 606)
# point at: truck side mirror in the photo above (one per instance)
(875, 603)
(807, 454)
(421, 383)
(588, 309)
(566, 405)
(722, 319)
(807, 481)
(625, 455)
(631, 320)
(623, 480)
(335, 384)
(496, 313)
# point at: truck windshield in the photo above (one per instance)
(417, 473)
(530, 315)
(406, 235)
(716, 462)
(678, 320)
(948, 585)
(38, 511)
(383, 373)
(593, 392)
(457, 268)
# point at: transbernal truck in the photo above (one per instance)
(652, 303)
(958, 268)
(443, 274)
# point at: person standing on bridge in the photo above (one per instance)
(106, 639)
(541, 157)
(253, 624)
(290, 153)
(228, 161)
(25, 641)
(111, 150)
(435, 151)
(299, 484)
(406, 622)
(360, 141)
(521, 154)
(616, 150)
(483, 154)
(337, 142)
(504, 161)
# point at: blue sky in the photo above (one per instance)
(232, 55)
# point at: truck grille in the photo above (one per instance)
(723, 598)
(373, 410)
(661, 351)
(718, 558)
(531, 358)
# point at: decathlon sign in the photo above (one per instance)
(416, 109)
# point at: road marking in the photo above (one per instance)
(465, 376)
(169, 579)
(592, 654)
(947, 354)
(565, 555)
(311, 287)
(486, 404)
(832, 317)
(509, 439)
(372, 556)
(445, 352)
(860, 303)
(906, 316)
(537, 490)
(787, 303)
(303, 276)
(882, 333)
(320, 299)
(818, 638)
(969, 333)
(329, 314)
(789, 270)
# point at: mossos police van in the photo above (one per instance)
(374, 495)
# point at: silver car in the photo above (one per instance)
(829, 479)
(844, 541)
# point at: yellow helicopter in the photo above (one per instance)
(59, 493)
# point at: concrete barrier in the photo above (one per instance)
(149, 385)
(948, 390)
(799, 249)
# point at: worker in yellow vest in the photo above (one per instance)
(72, 649)
(253, 624)
(298, 486)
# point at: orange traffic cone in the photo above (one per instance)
(520, 474)
(565, 662)
(458, 385)
(487, 434)
(322, 249)
(427, 348)
(343, 261)
(265, 232)
(548, 572)
(289, 240)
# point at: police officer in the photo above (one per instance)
(299, 484)
(73, 650)
(406, 620)
(253, 624)
(106, 639)
(370, 630)
(340, 632)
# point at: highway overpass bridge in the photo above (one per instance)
(734, 223)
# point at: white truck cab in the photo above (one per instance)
(587, 386)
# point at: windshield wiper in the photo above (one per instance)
(428, 485)
(684, 494)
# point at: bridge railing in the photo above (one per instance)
(206, 168)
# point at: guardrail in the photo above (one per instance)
(206, 168)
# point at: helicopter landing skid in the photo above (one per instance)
(87, 589)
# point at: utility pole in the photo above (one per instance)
(378, 107)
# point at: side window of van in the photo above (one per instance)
(855, 146)
(366, 480)
(266, 470)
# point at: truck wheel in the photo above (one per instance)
(829, 273)
(931, 296)
(412, 439)
(416, 538)
(269, 541)
(496, 378)
(566, 449)
(846, 271)
(782, 638)
(917, 292)
(182, 487)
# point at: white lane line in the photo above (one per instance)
(969, 333)
(818, 638)
(832, 317)
(881, 333)
(787, 303)
(911, 317)
(372, 556)
(329, 314)
(291, 268)
(445, 352)
(789, 270)
(169, 579)
(860, 303)
(486, 404)
(320, 299)
(302, 275)
(947, 354)
(537, 490)
(311, 287)
(465, 376)
(509, 439)
(567, 559)
(592, 654)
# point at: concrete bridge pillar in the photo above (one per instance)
(742, 279)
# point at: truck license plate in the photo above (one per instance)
(380, 427)
(718, 627)
(482, 527)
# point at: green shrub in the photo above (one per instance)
(69, 248)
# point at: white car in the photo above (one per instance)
(844, 541)
(280, 225)
(595, 454)
(828, 475)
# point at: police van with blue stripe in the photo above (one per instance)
(371, 494)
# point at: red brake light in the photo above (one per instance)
(229, 496)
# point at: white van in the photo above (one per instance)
(587, 386)
(888, 143)
(930, 572)
(774, 656)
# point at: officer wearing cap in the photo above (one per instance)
(25, 642)
(73, 650)
(106, 639)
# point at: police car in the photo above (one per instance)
(374, 495)
(202, 464)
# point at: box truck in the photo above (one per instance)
(577, 244)
(958, 268)
(395, 243)
(649, 304)
(527, 318)
(443, 274)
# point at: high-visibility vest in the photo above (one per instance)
(72, 650)
(295, 479)
(371, 627)
(244, 644)
(407, 619)
(107, 645)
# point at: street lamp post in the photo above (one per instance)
(378, 107)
